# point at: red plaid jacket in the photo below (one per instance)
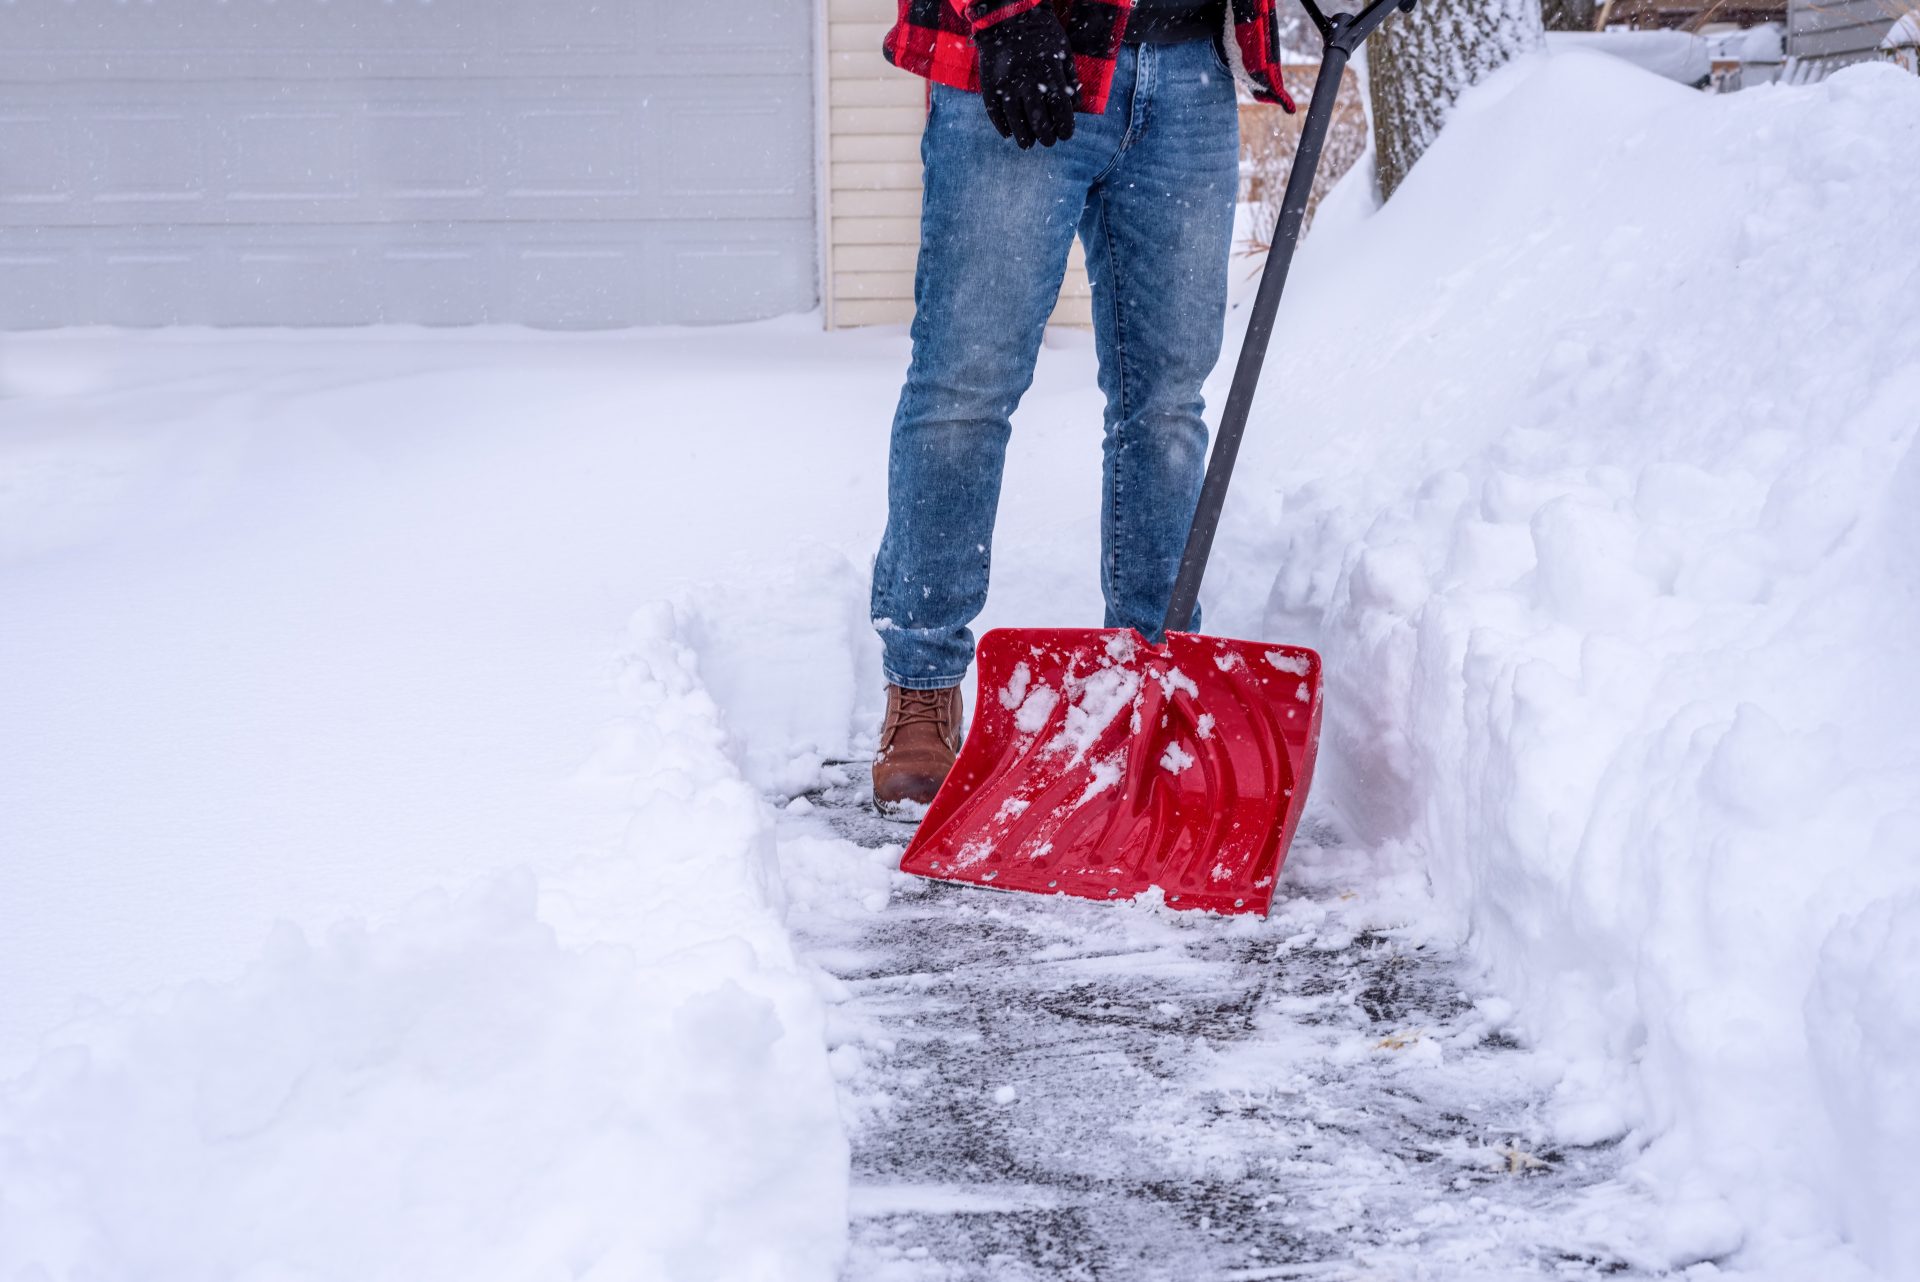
(934, 38)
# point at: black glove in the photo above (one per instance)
(1027, 77)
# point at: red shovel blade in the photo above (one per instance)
(1102, 766)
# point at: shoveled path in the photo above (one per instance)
(1046, 1088)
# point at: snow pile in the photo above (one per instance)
(616, 1072)
(1680, 56)
(1612, 545)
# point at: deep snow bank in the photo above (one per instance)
(615, 1072)
(299, 625)
(1609, 533)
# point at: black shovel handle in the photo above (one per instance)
(1343, 34)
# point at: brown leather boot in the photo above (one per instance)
(918, 742)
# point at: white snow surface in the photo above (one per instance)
(471, 659)
(616, 1073)
(1611, 551)
(334, 631)
(1683, 57)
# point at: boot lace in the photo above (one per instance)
(920, 707)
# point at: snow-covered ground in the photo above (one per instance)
(306, 629)
(1614, 563)
(1040, 1090)
(474, 660)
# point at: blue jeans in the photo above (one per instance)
(1150, 187)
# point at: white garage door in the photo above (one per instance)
(315, 162)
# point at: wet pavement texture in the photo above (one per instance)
(1047, 1088)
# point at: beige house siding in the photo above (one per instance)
(873, 120)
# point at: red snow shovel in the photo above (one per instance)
(1103, 765)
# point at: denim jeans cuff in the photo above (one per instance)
(922, 683)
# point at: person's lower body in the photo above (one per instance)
(1150, 188)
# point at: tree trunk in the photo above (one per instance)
(1568, 15)
(1419, 64)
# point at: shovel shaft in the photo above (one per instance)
(1253, 352)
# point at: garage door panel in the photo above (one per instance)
(436, 283)
(583, 285)
(325, 278)
(36, 162)
(63, 39)
(590, 31)
(568, 276)
(37, 286)
(141, 284)
(713, 149)
(573, 149)
(290, 153)
(319, 154)
(59, 40)
(728, 39)
(138, 154)
(571, 162)
(708, 269)
(427, 154)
